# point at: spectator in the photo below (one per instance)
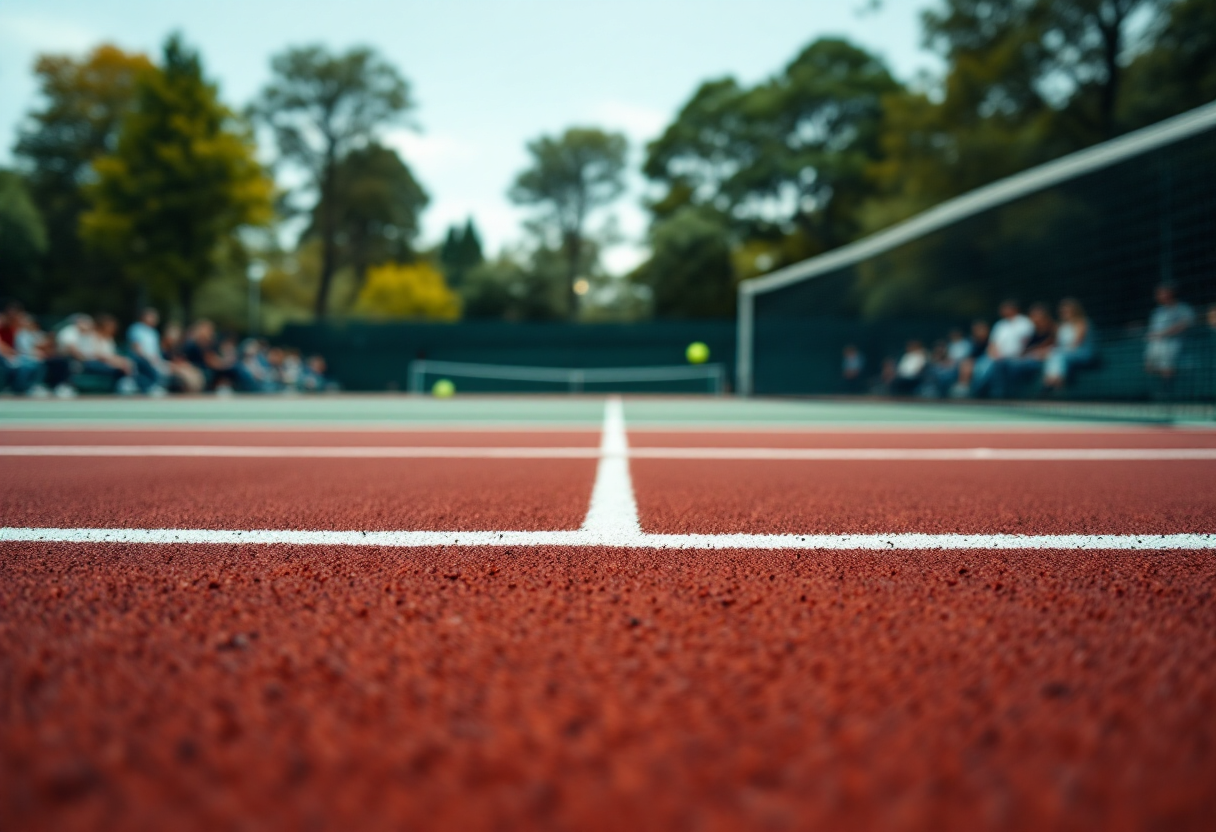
(8, 325)
(184, 377)
(143, 341)
(314, 375)
(1166, 326)
(29, 357)
(977, 347)
(104, 358)
(253, 373)
(852, 369)
(216, 364)
(1038, 347)
(910, 371)
(1074, 347)
(1007, 341)
(1211, 317)
(886, 377)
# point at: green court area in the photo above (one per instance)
(480, 412)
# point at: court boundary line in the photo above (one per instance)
(978, 454)
(612, 521)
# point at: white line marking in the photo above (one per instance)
(923, 454)
(591, 538)
(460, 452)
(613, 515)
(298, 452)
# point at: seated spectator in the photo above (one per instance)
(314, 378)
(910, 371)
(105, 358)
(29, 364)
(1007, 341)
(84, 350)
(977, 347)
(852, 369)
(1166, 326)
(253, 373)
(886, 378)
(1038, 347)
(1074, 347)
(215, 363)
(184, 377)
(143, 341)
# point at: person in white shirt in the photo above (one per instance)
(1006, 342)
(910, 370)
(143, 341)
(1166, 327)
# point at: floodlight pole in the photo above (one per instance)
(743, 341)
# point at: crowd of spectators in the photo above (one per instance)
(86, 352)
(1021, 352)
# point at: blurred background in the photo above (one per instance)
(380, 183)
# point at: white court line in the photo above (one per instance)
(612, 521)
(593, 537)
(613, 514)
(461, 452)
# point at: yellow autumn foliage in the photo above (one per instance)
(414, 290)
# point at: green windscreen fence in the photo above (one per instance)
(1104, 227)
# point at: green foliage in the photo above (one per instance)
(83, 104)
(1179, 72)
(377, 202)
(22, 238)
(570, 177)
(182, 180)
(517, 289)
(322, 109)
(461, 252)
(417, 290)
(690, 271)
(789, 156)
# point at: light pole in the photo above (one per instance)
(257, 270)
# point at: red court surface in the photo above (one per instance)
(304, 688)
(963, 497)
(337, 494)
(289, 687)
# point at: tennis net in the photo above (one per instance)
(1105, 226)
(498, 378)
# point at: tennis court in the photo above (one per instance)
(587, 612)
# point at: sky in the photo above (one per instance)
(487, 75)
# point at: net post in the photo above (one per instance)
(743, 339)
(416, 372)
(576, 381)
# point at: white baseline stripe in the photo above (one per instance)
(618, 450)
(299, 452)
(591, 538)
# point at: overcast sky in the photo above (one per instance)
(487, 75)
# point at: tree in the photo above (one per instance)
(181, 182)
(84, 103)
(690, 271)
(789, 156)
(23, 238)
(417, 290)
(571, 176)
(461, 252)
(376, 204)
(1178, 72)
(322, 107)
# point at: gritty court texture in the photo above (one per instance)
(588, 613)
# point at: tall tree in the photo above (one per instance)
(690, 270)
(570, 177)
(787, 156)
(84, 101)
(322, 107)
(376, 203)
(461, 252)
(22, 239)
(1178, 72)
(182, 180)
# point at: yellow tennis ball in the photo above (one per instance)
(697, 353)
(443, 389)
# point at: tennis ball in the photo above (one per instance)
(697, 353)
(443, 389)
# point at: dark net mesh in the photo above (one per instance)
(1107, 239)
